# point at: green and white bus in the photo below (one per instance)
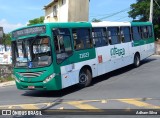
(54, 56)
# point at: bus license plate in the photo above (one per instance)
(31, 87)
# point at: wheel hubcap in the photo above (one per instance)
(83, 78)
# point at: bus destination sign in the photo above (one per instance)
(29, 31)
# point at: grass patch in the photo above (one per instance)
(6, 79)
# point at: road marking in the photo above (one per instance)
(61, 108)
(29, 106)
(139, 103)
(81, 105)
(84, 104)
(10, 107)
(49, 104)
(104, 101)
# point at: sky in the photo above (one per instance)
(17, 13)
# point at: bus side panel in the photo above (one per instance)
(104, 62)
(113, 57)
(70, 68)
(70, 78)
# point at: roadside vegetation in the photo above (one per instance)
(6, 79)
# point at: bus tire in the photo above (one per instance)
(85, 78)
(137, 60)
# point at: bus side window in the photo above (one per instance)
(113, 35)
(82, 38)
(149, 28)
(135, 33)
(99, 37)
(125, 34)
(144, 31)
(109, 37)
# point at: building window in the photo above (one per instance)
(99, 37)
(125, 34)
(82, 38)
(63, 2)
(55, 11)
(113, 35)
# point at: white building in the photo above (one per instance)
(5, 56)
(67, 11)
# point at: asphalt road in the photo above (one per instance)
(126, 88)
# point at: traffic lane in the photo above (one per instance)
(11, 95)
(127, 82)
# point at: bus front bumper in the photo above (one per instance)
(51, 85)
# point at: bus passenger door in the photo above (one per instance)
(64, 51)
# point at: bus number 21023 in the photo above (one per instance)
(84, 55)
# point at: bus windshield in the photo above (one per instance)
(32, 52)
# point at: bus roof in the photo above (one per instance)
(87, 24)
(140, 23)
(108, 23)
(60, 24)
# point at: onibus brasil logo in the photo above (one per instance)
(115, 51)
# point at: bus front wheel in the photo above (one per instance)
(85, 78)
(137, 60)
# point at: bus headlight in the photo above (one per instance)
(49, 78)
(17, 80)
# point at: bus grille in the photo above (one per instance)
(31, 74)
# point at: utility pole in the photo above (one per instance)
(151, 12)
(1, 35)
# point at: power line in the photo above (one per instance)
(98, 15)
(121, 18)
(157, 3)
(124, 10)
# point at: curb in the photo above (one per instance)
(10, 83)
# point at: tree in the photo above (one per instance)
(140, 12)
(36, 21)
(7, 39)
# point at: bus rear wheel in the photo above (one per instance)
(85, 78)
(137, 60)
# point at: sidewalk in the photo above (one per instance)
(10, 83)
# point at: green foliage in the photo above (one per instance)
(96, 20)
(6, 79)
(36, 21)
(141, 10)
(7, 39)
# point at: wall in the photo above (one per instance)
(157, 44)
(78, 10)
(71, 11)
(5, 71)
(49, 14)
(5, 56)
(62, 12)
